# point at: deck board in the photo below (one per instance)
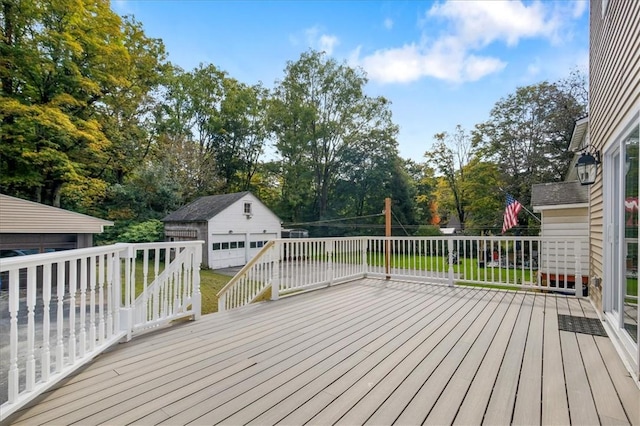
(555, 408)
(368, 352)
(581, 404)
(529, 393)
(501, 403)
(475, 402)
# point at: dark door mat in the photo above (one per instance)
(582, 325)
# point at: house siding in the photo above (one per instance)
(614, 84)
(232, 225)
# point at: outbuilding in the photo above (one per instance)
(27, 227)
(234, 227)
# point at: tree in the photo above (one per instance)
(422, 177)
(528, 134)
(64, 63)
(449, 156)
(319, 111)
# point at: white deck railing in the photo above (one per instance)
(292, 265)
(61, 309)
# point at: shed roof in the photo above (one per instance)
(18, 216)
(559, 193)
(204, 208)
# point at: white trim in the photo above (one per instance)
(560, 207)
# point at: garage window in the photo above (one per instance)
(225, 246)
(240, 244)
(216, 246)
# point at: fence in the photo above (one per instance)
(61, 309)
(293, 265)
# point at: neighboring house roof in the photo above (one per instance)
(26, 217)
(559, 194)
(204, 208)
(579, 142)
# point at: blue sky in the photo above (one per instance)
(440, 63)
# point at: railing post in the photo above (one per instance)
(222, 302)
(329, 248)
(275, 274)
(450, 249)
(365, 261)
(126, 311)
(196, 302)
(578, 265)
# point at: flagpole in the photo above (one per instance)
(525, 209)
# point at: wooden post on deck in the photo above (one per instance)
(387, 233)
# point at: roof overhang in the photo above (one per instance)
(579, 131)
(18, 216)
(538, 209)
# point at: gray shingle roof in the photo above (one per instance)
(204, 208)
(558, 193)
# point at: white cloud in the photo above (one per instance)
(410, 63)
(483, 22)
(317, 40)
(327, 43)
(579, 7)
(456, 53)
(388, 23)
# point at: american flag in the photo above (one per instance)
(511, 213)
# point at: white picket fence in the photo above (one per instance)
(287, 266)
(61, 309)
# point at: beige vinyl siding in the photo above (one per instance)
(569, 223)
(22, 216)
(614, 87)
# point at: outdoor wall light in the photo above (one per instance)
(587, 167)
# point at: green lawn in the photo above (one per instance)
(467, 268)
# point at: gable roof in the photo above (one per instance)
(204, 208)
(559, 194)
(18, 216)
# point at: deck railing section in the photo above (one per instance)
(550, 264)
(61, 309)
(174, 290)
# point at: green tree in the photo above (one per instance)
(319, 111)
(527, 136)
(449, 156)
(64, 64)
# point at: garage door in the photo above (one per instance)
(227, 250)
(257, 241)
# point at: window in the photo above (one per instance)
(240, 244)
(253, 244)
(225, 246)
(216, 246)
(233, 245)
(247, 208)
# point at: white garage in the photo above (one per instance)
(234, 226)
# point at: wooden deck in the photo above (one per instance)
(368, 352)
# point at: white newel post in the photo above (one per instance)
(365, 261)
(14, 305)
(197, 297)
(330, 250)
(578, 265)
(450, 249)
(126, 313)
(275, 256)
